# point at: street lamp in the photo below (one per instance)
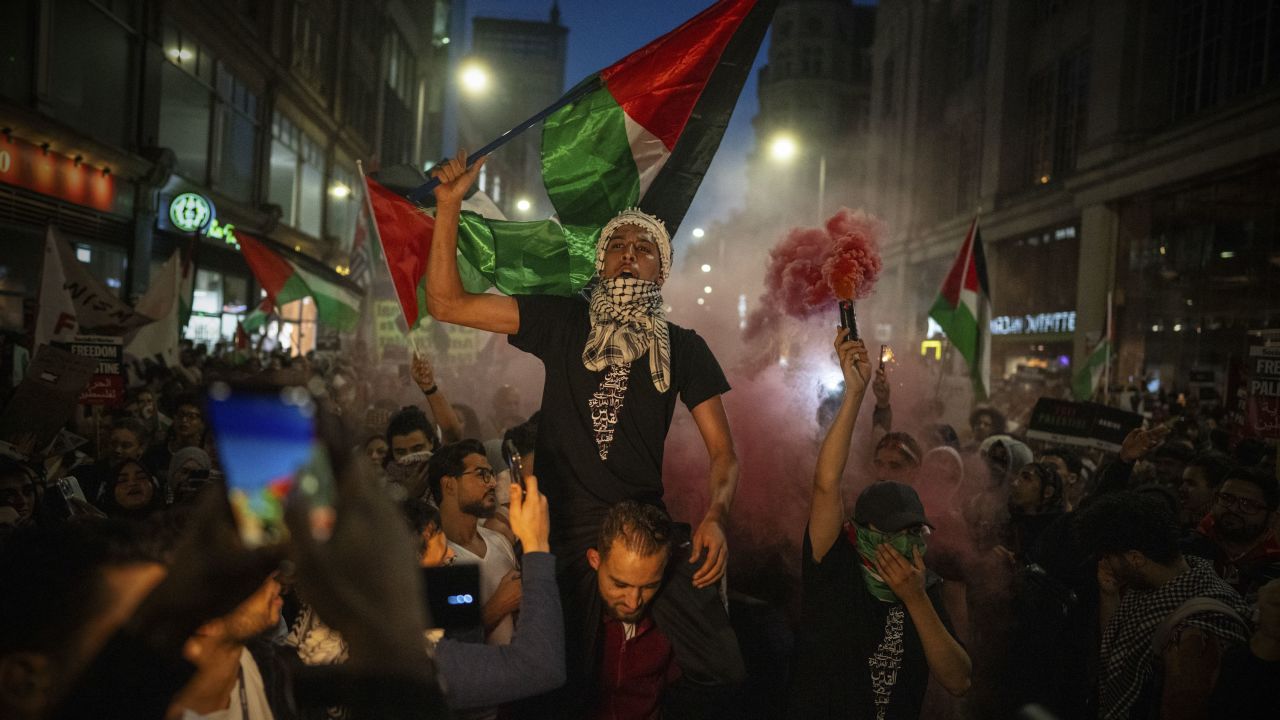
(699, 233)
(784, 147)
(523, 205)
(475, 78)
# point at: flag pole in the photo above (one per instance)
(420, 192)
(1106, 372)
(377, 235)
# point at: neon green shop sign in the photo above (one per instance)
(191, 212)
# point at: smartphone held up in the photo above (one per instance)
(267, 443)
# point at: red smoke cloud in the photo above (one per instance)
(812, 268)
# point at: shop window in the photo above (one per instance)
(295, 331)
(297, 176)
(218, 302)
(91, 66)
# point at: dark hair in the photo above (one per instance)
(642, 529)
(1216, 467)
(943, 435)
(904, 442)
(1069, 457)
(1264, 481)
(1119, 522)
(1048, 476)
(449, 460)
(524, 435)
(408, 419)
(998, 421)
(420, 515)
(1178, 450)
(108, 497)
(134, 426)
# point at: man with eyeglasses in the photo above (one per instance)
(873, 626)
(1240, 527)
(465, 489)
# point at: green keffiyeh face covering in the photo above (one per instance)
(868, 540)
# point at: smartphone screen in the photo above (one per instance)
(265, 437)
(514, 461)
(453, 596)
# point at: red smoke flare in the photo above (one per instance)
(812, 268)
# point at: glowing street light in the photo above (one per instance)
(706, 290)
(783, 147)
(475, 78)
(523, 205)
(339, 191)
(699, 232)
(706, 268)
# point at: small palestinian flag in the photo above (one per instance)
(286, 280)
(963, 309)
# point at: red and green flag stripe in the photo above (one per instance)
(285, 280)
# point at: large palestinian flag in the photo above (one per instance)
(641, 132)
(963, 309)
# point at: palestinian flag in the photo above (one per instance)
(641, 132)
(256, 319)
(1089, 377)
(610, 149)
(963, 309)
(286, 280)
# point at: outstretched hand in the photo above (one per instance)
(855, 364)
(1139, 442)
(456, 178)
(709, 538)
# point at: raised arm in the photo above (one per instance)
(447, 300)
(826, 508)
(424, 376)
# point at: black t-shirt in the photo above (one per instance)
(580, 487)
(842, 627)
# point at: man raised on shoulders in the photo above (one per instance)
(614, 370)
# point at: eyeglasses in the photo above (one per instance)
(1247, 506)
(484, 474)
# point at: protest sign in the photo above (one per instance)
(46, 398)
(106, 387)
(1081, 424)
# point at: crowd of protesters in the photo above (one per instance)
(974, 575)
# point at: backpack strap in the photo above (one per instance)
(1194, 606)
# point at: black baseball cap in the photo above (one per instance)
(890, 506)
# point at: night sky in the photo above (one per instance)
(602, 32)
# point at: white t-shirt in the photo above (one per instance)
(499, 559)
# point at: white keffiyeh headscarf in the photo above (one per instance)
(627, 318)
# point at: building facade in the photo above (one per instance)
(1122, 158)
(112, 109)
(524, 64)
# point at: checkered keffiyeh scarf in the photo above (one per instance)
(626, 322)
(1127, 656)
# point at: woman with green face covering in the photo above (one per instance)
(873, 628)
